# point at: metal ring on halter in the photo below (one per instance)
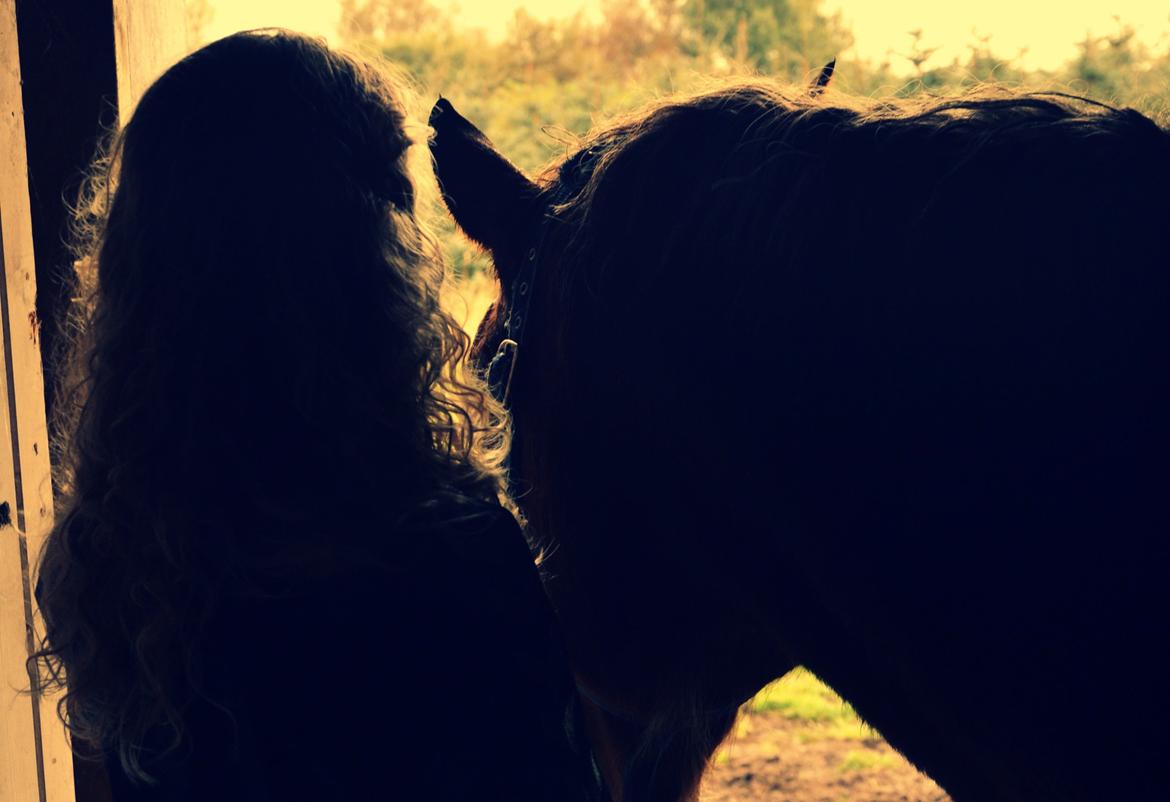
(502, 368)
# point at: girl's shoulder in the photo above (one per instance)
(471, 530)
(455, 565)
(475, 554)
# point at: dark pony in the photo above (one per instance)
(877, 388)
(263, 383)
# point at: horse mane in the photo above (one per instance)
(793, 119)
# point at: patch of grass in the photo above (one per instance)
(822, 715)
(859, 760)
(851, 729)
(800, 695)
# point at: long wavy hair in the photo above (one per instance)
(262, 387)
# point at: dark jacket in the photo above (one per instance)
(442, 677)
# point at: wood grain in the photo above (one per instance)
(35, 760)
(149, 36)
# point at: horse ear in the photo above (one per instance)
(491, 200)
(823, 79)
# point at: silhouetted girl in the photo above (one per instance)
(281, 570)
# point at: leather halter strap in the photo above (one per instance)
(503, 365)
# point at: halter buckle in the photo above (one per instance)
(501, 368)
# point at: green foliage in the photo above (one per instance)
(864, 760)
(544, 83)
(565, 75)
(547, 81)
(820, 713)
(800, 695)
(785, 37)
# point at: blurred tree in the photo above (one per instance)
(373, 19)
(919, 54)
(984, 66)
(981, 66)
(628, 33)
(1110, 66)
(667, 25)
(544, 83)
(560, 50)
(788, 38)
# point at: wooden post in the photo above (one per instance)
(70, 90)
(70, 100)
(82, 61)
(84, 64)
(35, 760)
(149, 36)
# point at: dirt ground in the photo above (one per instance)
(774, 758)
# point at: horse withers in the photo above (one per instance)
(878, 388)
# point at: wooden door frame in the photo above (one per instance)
(70, 71)
(35, 760)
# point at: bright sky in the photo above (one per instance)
(1048, 29)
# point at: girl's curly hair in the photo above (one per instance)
(262, 387)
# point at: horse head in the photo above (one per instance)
(634, 624)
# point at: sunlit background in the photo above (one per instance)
(1046, 30)
(535, 74)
